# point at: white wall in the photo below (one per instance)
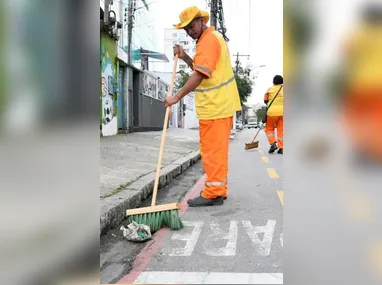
(190, 120)
(165, 76)
(173, 120)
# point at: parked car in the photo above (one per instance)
(252, 123)
(239, 125)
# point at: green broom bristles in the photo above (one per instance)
(155, 221)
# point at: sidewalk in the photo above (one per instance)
(128, 165)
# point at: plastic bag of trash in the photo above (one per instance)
(136, 232)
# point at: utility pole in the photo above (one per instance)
(130, 23)
(106, 12)
(237, 60)
(237, 70)
(213, 12)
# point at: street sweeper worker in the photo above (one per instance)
(275, 115)
(361, 86)
(216, 100)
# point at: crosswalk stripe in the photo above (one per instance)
(272, 173)
(166, 277)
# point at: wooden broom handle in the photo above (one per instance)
(258, 131)
(166, 118)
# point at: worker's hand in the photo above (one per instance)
(171, 100)
(178, 50)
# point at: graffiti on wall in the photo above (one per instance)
(162, 90)
(153, 87)
(104, 87)
(108, 74)
(149, 85)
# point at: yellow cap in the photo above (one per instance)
(189, 14)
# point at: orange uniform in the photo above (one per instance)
(275, 116)
(363, 99)
(216, 101)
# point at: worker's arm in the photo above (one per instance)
(187, 59)
(178, 49)
(266, 97)
(192, 83)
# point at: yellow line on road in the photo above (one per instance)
(376, 259)
(272, 173)
(265, 159)
(281, 197)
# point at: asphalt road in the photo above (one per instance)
(240, 242)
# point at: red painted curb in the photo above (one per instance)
(144, 257)
(195, 191)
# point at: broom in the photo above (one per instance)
(253, 144)
(158, 216)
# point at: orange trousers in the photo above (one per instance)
(214, 146)
(363, 120)
(272, 123)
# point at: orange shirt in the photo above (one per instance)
(217, 95)
(207, 52)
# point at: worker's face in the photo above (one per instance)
(194, 29)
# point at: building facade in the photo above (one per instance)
(172, 37)
(131, 99)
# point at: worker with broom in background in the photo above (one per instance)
(216, 100)
(360, 86)
(274, 98)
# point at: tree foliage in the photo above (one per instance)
(261, 112)
(181, 80)
(244, 83)
(243, 78)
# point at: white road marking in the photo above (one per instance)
(191, 239)
(219, 234)
(165, 277)
(263, 247)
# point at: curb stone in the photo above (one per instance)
(113, 208)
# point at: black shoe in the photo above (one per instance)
(224, 198)
(202, 202)
(272, 148)
(280, 151)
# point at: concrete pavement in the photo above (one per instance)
(128, 165)
(240, 242)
